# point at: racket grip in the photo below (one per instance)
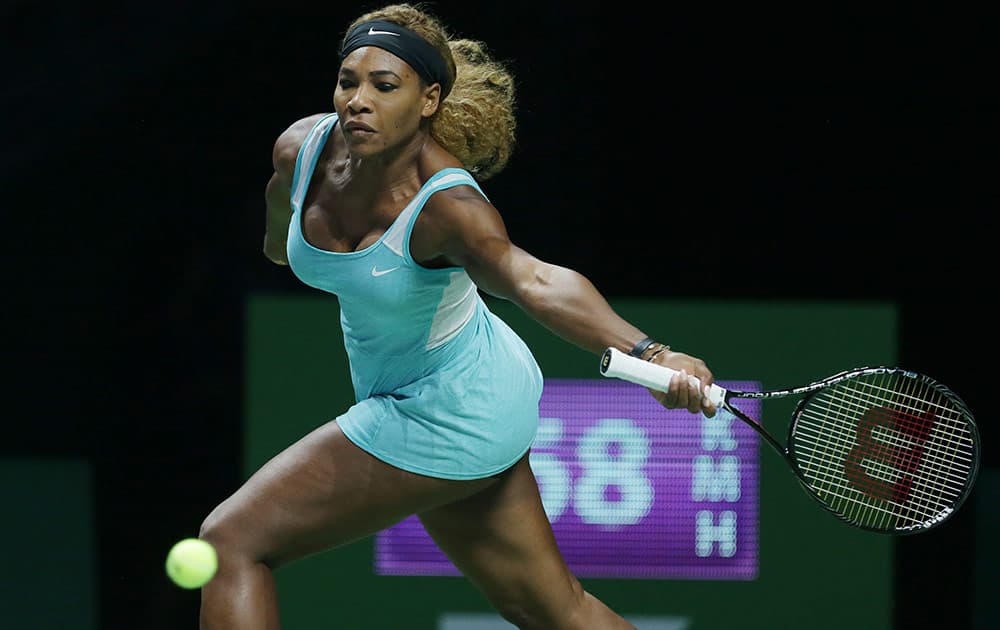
(617, 364)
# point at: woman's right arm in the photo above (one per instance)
(278, 194)
(279, 212)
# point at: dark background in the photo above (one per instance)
(666, 154)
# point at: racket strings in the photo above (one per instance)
(942, 477)
(844, 433)
(954, 440)
(880, 475)
(884, 448)
(882, 467)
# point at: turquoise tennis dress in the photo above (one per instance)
(443, 387)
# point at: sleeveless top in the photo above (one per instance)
(443, 387)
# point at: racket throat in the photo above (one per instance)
(756, 426)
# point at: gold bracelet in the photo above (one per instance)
(662, 348)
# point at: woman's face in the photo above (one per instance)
(380, 100)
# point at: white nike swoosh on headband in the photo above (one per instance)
(372, 31)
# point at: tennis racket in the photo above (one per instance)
(884, 449)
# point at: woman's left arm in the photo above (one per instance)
(561, 299)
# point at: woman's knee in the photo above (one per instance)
(536, 611)
(222, 528)
(581, 611)
(529, 617)
(519, 615)
(213, 527)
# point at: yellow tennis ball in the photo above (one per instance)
(191, 563)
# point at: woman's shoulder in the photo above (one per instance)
(454, 193)
(286, 147)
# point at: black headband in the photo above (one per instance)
(402, 42)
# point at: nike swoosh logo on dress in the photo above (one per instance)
(377, 273)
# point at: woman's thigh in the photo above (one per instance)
(501, 539)
(321, 492)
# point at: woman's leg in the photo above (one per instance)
(319, 493)
(501, 539)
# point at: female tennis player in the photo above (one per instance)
(379, 203)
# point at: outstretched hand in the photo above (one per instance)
(686, 392)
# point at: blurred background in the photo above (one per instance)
(664, 153)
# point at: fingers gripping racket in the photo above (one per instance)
(884, 449)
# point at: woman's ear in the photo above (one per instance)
(432, 97)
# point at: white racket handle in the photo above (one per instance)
(617, 364)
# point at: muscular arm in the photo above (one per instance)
(561, 299)
(468, 232)
(278, 194)
(277, 197)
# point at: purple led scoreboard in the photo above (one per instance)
(632, 490)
